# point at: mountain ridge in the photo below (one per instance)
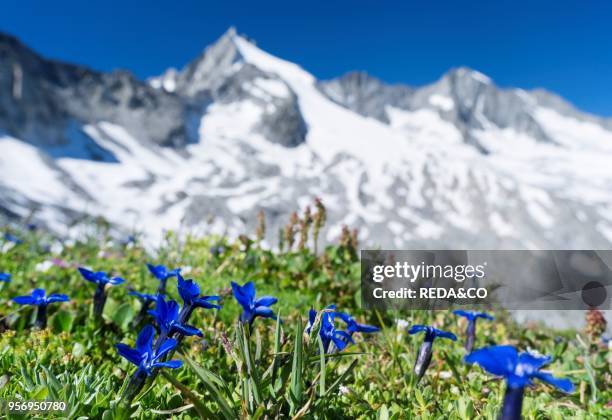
(459, 162)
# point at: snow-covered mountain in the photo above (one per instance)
(458, 163)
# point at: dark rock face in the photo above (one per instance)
(473, 100)
(367, 95)
(46, 103)
(222, 74)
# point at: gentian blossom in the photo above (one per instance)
(146, 358)
(470, 332)
(39, 299)
(162, 274)
(101, 279)
(252, 307)
(143, 297)
(190, 293)
(9, 237)
(353, 326)
(519, 369)
(425, 352)
(217, 250)
(166, 315)
(328, 332)
(5, 277)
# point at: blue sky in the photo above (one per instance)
(563, 46)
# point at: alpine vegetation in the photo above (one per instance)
(294, 368)
(252, 307)
(425, 351)
(40, 300)
(519, 369)
(101, 279)
(147, 358)
(162, 274)
(470, 332)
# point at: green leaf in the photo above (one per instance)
(62, 321)
(323, 368)
(383, 413)
(210, 382)
(341, 379)
(296, 369)
(198, 405)
(78, 350)
(123, 316)
(277, 349)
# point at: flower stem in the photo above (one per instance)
(162, 287)
(99, 301)
(423, 359)
(144, 309)
(41, 317)
(471, 336)
(186, 314)
(513, 403)
(133, 388)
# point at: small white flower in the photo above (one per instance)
(57, 248)
(534, 352)
(186, 269)
(6, 247)
(402, 324)
(343, 390)
(445, 374)
(44, 266)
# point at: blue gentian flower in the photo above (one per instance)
(143, 297)
(190, 293)
(147, 358)
(425, 352)
(101, 279)
(166, 315)
(162, 274)
(217, 250)
(39, 299)
(353, 326)
(252, 307)
(519, 369)
(328, 332)
(144, 356)
(5, 277)
(9, 237)
(470, 332)
(129, 240)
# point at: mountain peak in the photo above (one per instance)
(214, 63)
(464, 73)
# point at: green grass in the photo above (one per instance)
(265, 371)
